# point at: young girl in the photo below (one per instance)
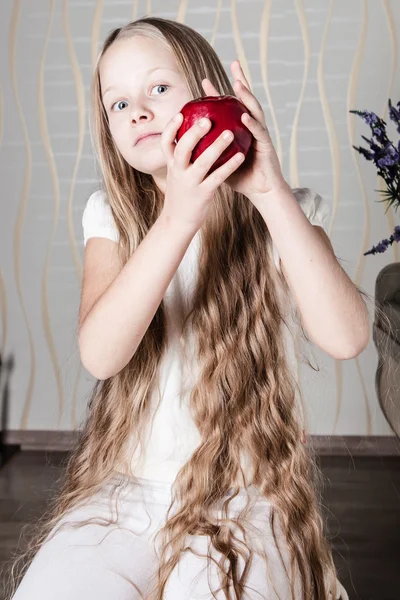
(190, 478)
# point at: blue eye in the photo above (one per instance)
(118, 103)
(161, 85)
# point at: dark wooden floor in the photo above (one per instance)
(361, 499)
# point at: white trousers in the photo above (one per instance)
(94, 562)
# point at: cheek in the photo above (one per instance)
(118, 129)
(115, 130)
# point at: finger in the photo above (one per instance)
(219, 175)
(259, 131)
(250, 101)
(238, 73)
(168, 136)
(209, 89)
(185, 146)
(205, 161)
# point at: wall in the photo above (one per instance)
(308, 62)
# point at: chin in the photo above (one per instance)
(146, 162)
(150, 167)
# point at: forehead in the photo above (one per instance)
(136, 55)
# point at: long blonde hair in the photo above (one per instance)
(245, 396)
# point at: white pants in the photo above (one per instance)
(94, 562)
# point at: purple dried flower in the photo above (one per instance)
(384, 244)
(370, 118)
(386, 157)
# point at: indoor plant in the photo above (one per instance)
(386, 157)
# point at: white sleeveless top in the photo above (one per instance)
(172, 435)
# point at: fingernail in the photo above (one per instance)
(177, 117)
(203, 122)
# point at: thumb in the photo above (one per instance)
(168, 136)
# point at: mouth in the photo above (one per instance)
(148, 137)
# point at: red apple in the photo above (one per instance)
(224, 112)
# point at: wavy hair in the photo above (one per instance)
(244, 400)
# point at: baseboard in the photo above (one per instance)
(40, 440)
(356, 445)
(333, 445)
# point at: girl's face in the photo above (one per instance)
(142, 89)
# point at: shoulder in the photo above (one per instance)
(97, 218)
(314, 206)
(97, 204)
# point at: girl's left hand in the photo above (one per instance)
(261, 172)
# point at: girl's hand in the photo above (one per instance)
(261, 173)
(189, 193)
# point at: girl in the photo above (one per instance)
(190, 478)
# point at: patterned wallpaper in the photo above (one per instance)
(309, 62)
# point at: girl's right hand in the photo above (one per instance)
(189, 194)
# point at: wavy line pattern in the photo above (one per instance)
(335, 158)
(293, 163)
(216, 23)
(4, 314)
(395, 53)
(3, 289)
(294, 167)
(135, 10)
(56, 195)
(97, 14)
(264, 54)
(241, 55)
(183, 5)
(351, 101)
(1, 117)
(272, 18)
(22, 211)
(80, 101)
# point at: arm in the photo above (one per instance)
(113, 328)
(332, 310)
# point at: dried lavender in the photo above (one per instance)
(386, 157)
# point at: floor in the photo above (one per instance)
(361, 502)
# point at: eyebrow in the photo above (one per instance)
(146, 72)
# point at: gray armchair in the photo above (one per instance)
(387, 343)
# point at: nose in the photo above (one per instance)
(138, 115)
